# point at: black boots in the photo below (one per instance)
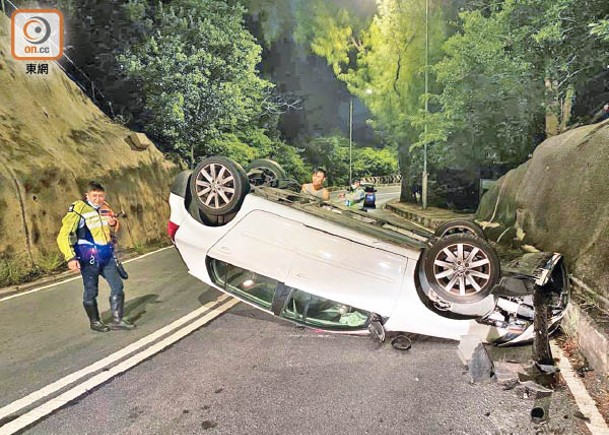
(117, 303)
(93, 314)
(116, 306)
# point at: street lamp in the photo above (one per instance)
(424, 177)
(368, 92)
(350, 139)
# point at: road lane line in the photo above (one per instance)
(46, 408)
(17, 295)
(39, 288)
(28, 400)
(586, 404)
(148, 254)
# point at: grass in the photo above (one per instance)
(49, 262)
(139, 247)
(13, 270)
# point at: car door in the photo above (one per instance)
(262, 242)
(251, 287)
(339, 269)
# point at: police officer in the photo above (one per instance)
(356, 194)
(86, 240)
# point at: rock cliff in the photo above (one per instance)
(53, 140)
(559, 201)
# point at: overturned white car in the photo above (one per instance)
(332, 268)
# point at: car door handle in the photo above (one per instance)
(225, 249)
(301, 275)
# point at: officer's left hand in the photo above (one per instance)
(111, 220)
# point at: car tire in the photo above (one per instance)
(218, 186)
(460, 268)
(264, 172)
(459, 226)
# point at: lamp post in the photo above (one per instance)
(350, 139)
(424, 177)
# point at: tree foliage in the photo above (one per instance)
(382, 60)
(483, 113)
(332, 153)
(196, 65)
(600, 29)
(509, 76)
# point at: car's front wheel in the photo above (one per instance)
(460, 268)
(218, 185)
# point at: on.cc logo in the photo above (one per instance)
(36, 30)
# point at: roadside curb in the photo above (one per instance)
(53, 279)
(593, 344)
(431, 218)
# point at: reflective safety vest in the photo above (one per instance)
(95, 233)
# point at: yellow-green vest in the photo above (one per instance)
(94, 221)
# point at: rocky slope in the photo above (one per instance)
(559, 201)
(53, 140)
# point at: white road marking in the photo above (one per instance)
(75, 277)
(586, 404)
(148, 254)
(48, 407)
(39, 289)
(101, 364)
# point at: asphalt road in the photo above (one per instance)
(245, 372)
(249, 373)
(383, 194)
(45, 335)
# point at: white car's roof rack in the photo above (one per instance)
(384, 229)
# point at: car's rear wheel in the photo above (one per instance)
(218, 185)
(460, 268)
(459, 226)
(264, 172)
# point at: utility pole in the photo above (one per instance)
(350, 138)
(424, 178)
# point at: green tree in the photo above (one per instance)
(196, 66)
(509, 77)
(555, 37)
(368, 162)
(380, 59)
(331, 153)
(600, 29)
(485, 109)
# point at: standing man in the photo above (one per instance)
(86, 240)
(316, 187)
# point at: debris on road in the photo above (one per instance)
(473, 354)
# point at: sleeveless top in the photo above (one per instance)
(308, 188)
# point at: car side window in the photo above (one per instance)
(255, 288)
(323, 313)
